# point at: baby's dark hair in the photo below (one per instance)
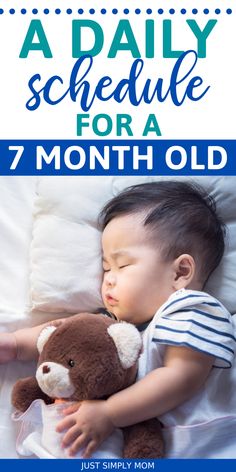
(179, 215)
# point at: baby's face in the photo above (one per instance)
(136, 280)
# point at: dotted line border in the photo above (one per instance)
(115, 11)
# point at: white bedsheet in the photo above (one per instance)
(17, 197)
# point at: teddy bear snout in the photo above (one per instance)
(54, 380)
(46, 369)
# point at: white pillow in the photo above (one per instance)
(66, 267)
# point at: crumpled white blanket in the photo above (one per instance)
(213, 439)
(38, 438)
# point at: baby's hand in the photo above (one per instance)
(22, 344)
(8, 347)
(87, 425)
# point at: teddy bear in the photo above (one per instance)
(89, 356)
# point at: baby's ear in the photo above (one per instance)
(44, 336)
(185, 269)
(128, 342)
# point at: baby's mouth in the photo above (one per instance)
(111, 300)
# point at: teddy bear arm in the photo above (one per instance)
(25, 391)
(143, 440)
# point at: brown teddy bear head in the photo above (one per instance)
(87, 357)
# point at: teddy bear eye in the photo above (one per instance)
(71, 363)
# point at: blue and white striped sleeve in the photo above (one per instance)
(205, 327)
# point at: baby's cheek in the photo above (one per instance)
(103, 291)
(129, 299)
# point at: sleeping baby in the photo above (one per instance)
(160, 242)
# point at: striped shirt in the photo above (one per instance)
(198, 321)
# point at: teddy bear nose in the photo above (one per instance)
(46, 369)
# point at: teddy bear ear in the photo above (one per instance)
(44, 336)
(128, 342)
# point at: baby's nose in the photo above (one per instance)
(110, 280)
(46, 369)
